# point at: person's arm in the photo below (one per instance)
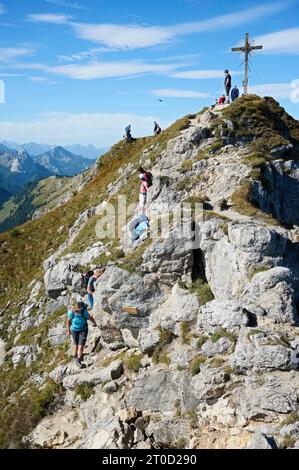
(90, 318)
(89, 290)
(145, 185)
(68, 326)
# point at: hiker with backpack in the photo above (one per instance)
(146, 179)
(90, 286)
(148, 176)
(235, 93)
(77, 327)
(157, 129)
(129, 137)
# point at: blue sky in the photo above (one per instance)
(81, 70)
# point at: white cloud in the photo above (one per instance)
(99, 129)
(38, 79)
(231, 19)
(111, 69)
(132, 36)
(172, 93)
(10, 53)
(202, 74)
(30, 66)
(277, 90)
(49, 18)
(62, 3)
(10, 75)
(280, 42)
(124, 36)
(90, 54)
(43, 80)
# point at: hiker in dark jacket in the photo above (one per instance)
(227, 85)
(129, 134)
(77, 326)
(157, 129)
(235, 93)
(91, 288)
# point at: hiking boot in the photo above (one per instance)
(78, 362)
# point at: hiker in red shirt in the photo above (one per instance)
(143, 192)
(222, 99)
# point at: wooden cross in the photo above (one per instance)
(247, 49)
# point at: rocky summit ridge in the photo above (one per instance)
(211, 360)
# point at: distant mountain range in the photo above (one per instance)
(61, 162)
(18, 166)
(34, 149)
(16, 169)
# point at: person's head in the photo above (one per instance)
(226, 71)
(141, 176)
(81, 305)
(236, 86)
(78, 305)
(98, 272)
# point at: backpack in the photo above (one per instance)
(85, 279)
(149, 178)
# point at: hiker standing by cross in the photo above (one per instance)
(247, 49)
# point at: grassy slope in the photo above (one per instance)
(266, 125)
(46, 194)
(24, 249)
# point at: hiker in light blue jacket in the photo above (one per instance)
(77, 327)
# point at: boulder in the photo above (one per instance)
(180, 306)
(158, 389)
(2, 352)
(209, 384)
(170, 259)
(229, 260)
(61, 430)
(57, 335)
(227, 314)
(148, 339)
(222, 346)
(58, 278)
(290, 430)
(271, 293)
(118, 288)
(168, 433)
(261, 441)
(100, 375)
(62, 371)
(27, 354)
(260, 350)
(279, 194)
(261, 399)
